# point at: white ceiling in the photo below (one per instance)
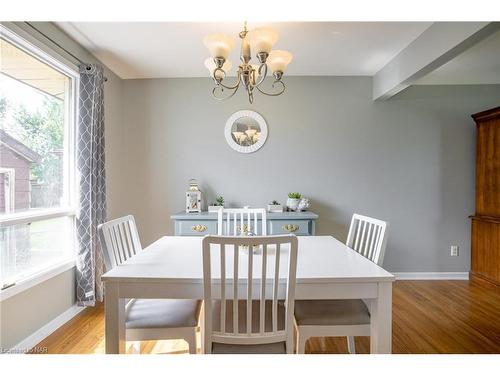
(480, 64)
(175, 49)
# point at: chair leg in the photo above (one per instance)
(301, 343)
(199, 339)
(351, 347)
(136, 347)
(202, 328)
(191, 340)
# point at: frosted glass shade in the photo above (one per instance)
(250, 132)
(219, 45)
(262, 39)
(210, 65)
(278, 60)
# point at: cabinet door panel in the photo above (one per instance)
(488, 168)
(486, 249)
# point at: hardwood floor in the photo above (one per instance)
(428, 317)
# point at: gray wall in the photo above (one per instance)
(25, 313)
(409, 160)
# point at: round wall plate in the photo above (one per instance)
(245, 131)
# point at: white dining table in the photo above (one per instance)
(171, 267)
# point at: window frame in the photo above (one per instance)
(29, 44)
(10, 197)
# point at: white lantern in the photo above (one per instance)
(193, 197)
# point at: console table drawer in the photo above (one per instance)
(195, 228)
(298, 227)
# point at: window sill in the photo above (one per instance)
(36, 214)
(36, 279)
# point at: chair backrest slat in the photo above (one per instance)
(371, 236)
(235, 287)
(368, 236)
(250, 254)
(238, 221)
(262, 317)
(123, 240)
(223, 288)
(361, 243)
(275, 288)
(119, 240)
(359, 227)
(130, 244)
(375, 236)
(249, 288)
(116, 247)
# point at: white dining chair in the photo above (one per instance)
(346, 317)
(241, 221)
(243, 277)
(147, 319)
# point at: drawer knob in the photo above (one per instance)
(199, 228)
(290, 228)
(243, 230)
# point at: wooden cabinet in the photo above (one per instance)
(485, 262)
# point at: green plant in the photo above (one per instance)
(275, 203)
(219, 201)
(294, 195)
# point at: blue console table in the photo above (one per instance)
(203, 223)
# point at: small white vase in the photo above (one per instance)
(292, 203)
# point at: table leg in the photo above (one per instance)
(114, 308)
(381, 320)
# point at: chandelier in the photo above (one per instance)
(251, 76)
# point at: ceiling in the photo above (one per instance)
(175, 49)
(480, 64)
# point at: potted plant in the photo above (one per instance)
(217, 205)
(274, 206)
(293, 201)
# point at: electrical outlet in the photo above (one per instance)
(454, 250)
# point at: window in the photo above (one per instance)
(37, 199)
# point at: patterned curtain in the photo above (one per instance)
(91, 183)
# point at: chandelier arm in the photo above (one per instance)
(220, 97)
(276, 93)
(219, 82)
(262, 77)
(216, 79)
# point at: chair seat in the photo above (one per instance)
(331, 312)
(162, 313)
(275, 348)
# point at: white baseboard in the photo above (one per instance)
(431, 275)
(30, 342)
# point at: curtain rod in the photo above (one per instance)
(61, 47)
